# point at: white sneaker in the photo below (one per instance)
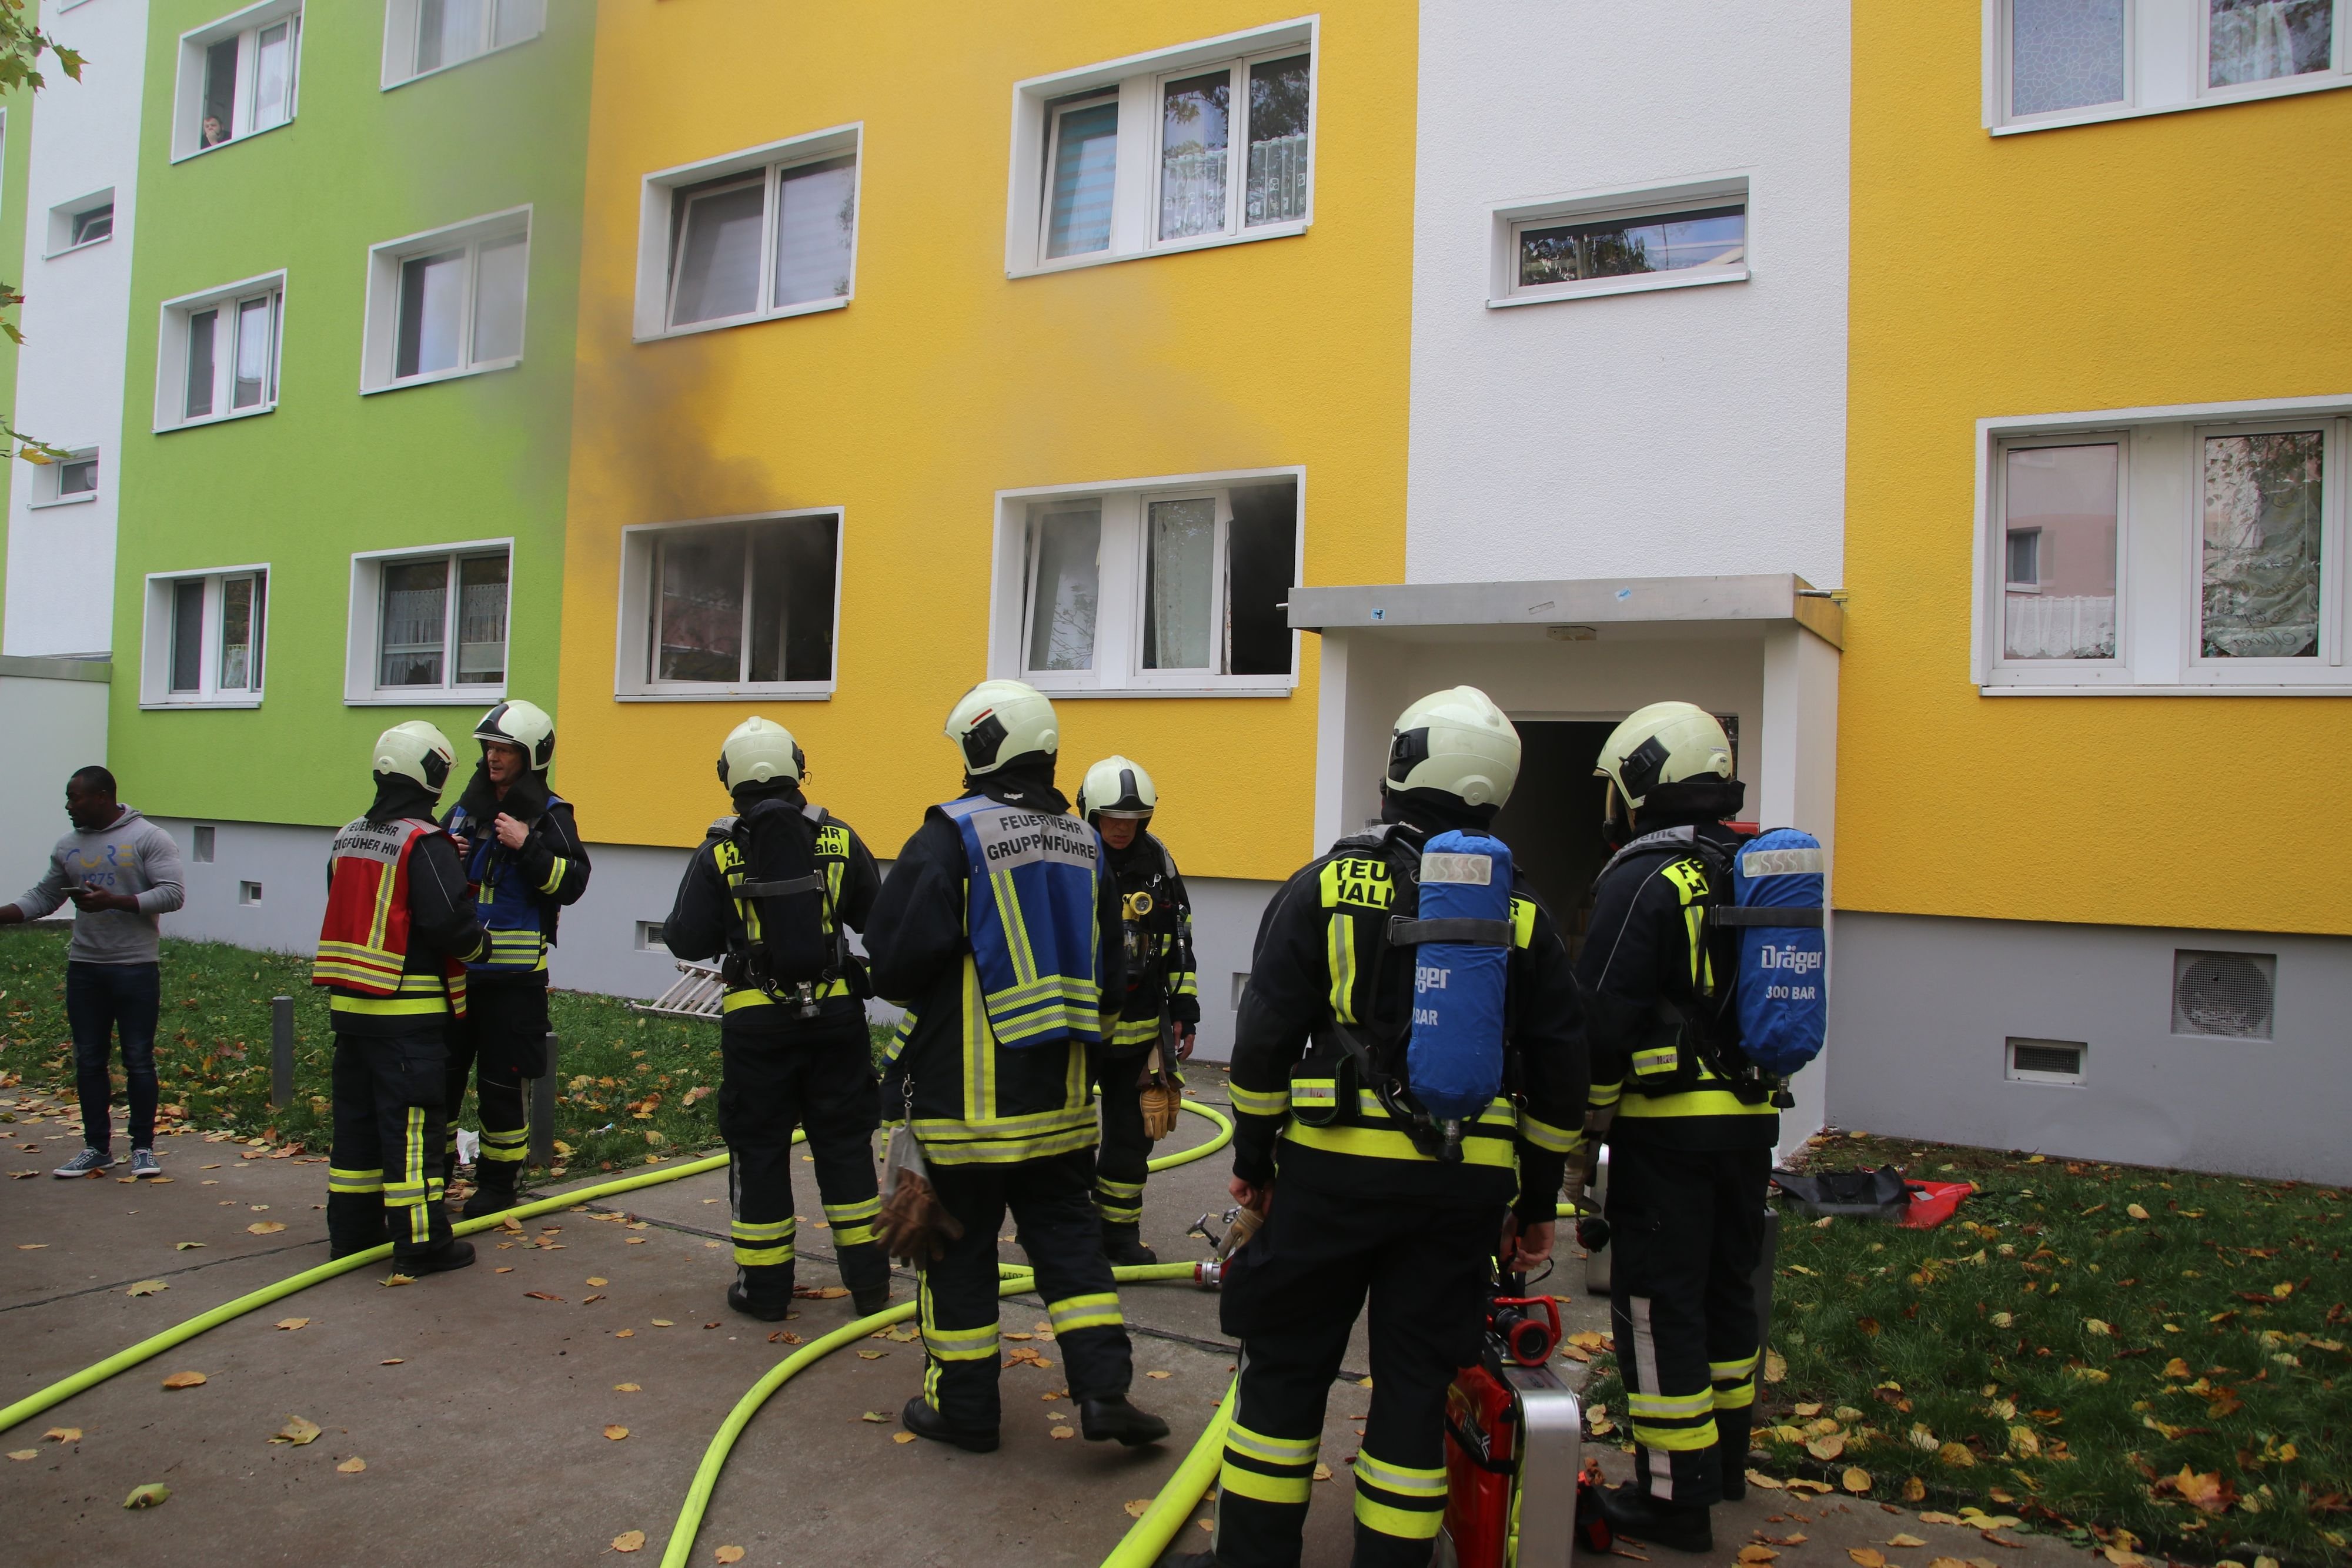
(144, 1163)
(84, 1164)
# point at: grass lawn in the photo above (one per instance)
(2088, 1348)
(636, 1090)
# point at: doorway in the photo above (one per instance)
(1552, 822)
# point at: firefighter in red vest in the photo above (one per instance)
(399, 931)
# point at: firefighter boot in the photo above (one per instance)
(1677, 1526)
(867, 1273)
(1101, 1419)
(494, 1188)
(1123, 1246)
(450, 1254)
(925, 1422)
(767, 1312)
(354, 1223)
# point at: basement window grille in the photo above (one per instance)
(2223, 995)
(2046, 1060)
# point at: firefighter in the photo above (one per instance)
(399, 931)
(1690, 1128)
(999, 932)
(1162, 1006)
(1358, 1198)
(793, 1051)
(523, 855)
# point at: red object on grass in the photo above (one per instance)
(1933, 1202)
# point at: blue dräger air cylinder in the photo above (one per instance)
(1454, 1062)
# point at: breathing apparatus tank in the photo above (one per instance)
(1462, 937)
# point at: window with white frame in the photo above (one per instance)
(238, 77)
(728, 607)
(429, 625)
(1168, 585)
(1205, 144)
(448, 302)
(2062, 62)
(204, 638)
(73, 478)
(83, 222)
(770, 231)
(217, 357)
(2199, 552)
(421, 36)
(1620, 242)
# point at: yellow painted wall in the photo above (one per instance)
(2186, 257)
(943, 382)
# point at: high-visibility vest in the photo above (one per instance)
(363, 941)
(516, 915)
(1031, 885)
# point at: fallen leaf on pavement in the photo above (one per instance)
(872, 1354)
(1769, 1483)
(873, 1415)
(353, 1465)
(782, 1336)
(624, 1334)
(185, 1246)
(1752, 1553)
(664, 1323)
(146, 1288)
(32, 1246)
(629, 1540)
(902, 1437)
(292, 1322)
(147, 1496)
(389, 1281)
(64, 1434)
(1137, 1507)
(598, 1280)
(1932, 1517)
(1907, 1539)
(1947, 1563)
(1061, 1432)
(729, 1555)
(1363, 1383)
(541, 1296)
(1798, 1483)
(297, 1431)
(1867, 1556)
(1322, 1472)
(616, 1433)
(184, 1380)
(1161, 1376)
(264, 1227)
(24, 1453)
(393, 1361)
(625, 1389)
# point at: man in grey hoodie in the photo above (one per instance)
(122, 872)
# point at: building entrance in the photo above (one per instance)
(1552, 822)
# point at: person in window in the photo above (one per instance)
(211, 135)
(999, 932)
(794, 1048)
(122, 872)
(1690, 1126)
(399, 931)
(1161, 1008)
(525, 861)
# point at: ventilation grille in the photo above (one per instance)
(2046, 1060)
(2223, 995)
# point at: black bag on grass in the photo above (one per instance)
(1856, 1195)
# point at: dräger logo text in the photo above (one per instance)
(1793, 958)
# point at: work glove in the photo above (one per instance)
(1158, 1097)
(914, 1226)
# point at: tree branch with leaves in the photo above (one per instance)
(22, 44)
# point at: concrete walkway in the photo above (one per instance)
(480, 1408)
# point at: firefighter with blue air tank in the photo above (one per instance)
(1161, 1012)
(1391, 1160)
(773, 891)
(1689, 1122)
(999, 932)
(525, 862)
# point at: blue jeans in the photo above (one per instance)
(101, 999)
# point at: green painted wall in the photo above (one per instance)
(16, 161)
(330, 472)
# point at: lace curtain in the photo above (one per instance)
(2258, 40)
(2261, 577)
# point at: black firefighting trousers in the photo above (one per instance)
(1687, 1227)
(383, 1174)
(1121, 1160)
(1058, 1229)
(1291, 1296)
(818, 1076)
(500, 1042)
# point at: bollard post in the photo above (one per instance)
(281, 1053)
(542, 1111)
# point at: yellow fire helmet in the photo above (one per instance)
(1456, 742)
(523, 725)
(1118, 787)
(417, 750)
(999, 721)
(759, 751)
(1664, 742)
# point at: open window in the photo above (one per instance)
(429, 625)
(238, 77)
(205, 634)
(448, 302)
(768, 231)
(85, 221)
(218, 354)
(71, 478)
(1176, 587)
(1205, 144)
(730, 607)
(422, 36)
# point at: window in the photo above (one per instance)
(1167, 586)
(201, 851)
(447, 303)
(71, 478)
(204, 638)
(238, 77)
(2064, 62)
(84, 222)
(429, 626)
(1620, 242)
(421, 36)
(2198, 551)
(1201, 145)
(218, 353)
(756, 235)
(730, 607)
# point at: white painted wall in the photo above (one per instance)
(1685, 430)
(58, 724)
(69, 374)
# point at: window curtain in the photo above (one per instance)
(1184, 546)
(1193, 155)
(2060, 626)
(1069, 571)
(2260, 579)
(2257, 40)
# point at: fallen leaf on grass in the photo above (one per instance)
(902, 1437)
(146, 1288)
(1776, 1369)
(1856, 1480)
(1914, 1490)
(1907, 1539)
(21, 1454)
(147, 1496)
(1955, 1455)
(629, 1540)
(1828, 1447)
(264, 1227)
(2136, 1211)
(64, 1434)
(616, 1433)
(2207, 1493)
(292, 1323)
(184, 1380)
(297, 1431)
